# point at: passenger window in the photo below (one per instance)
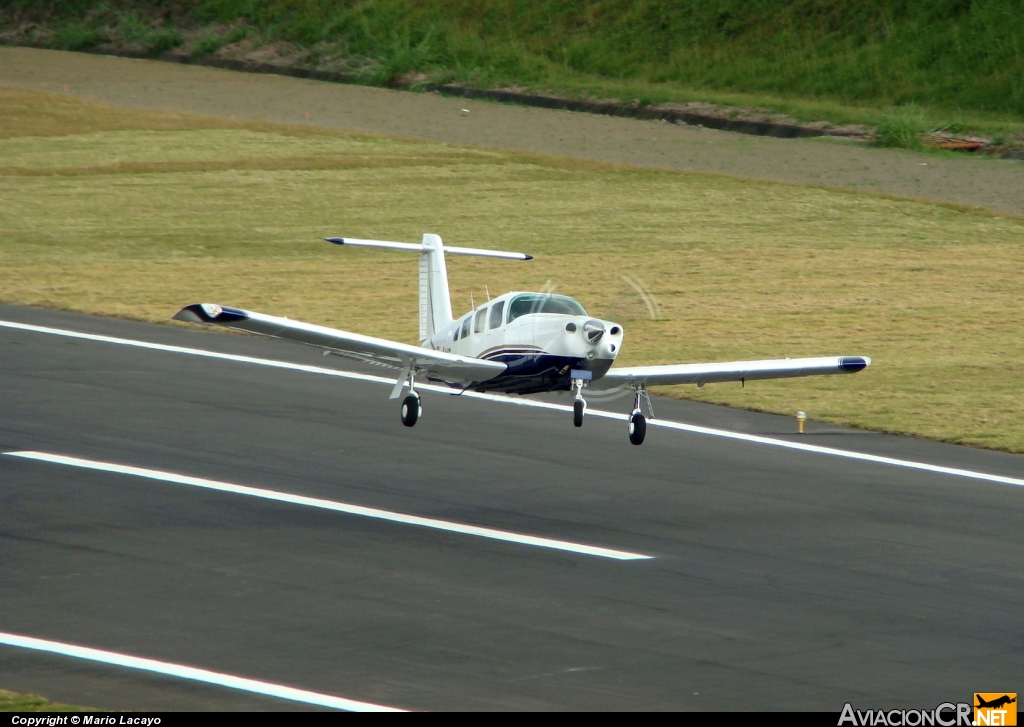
(481, 318)
(496, 310)
(465, 326)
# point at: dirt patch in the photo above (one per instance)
(994, 184)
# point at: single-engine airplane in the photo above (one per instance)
(517, 343)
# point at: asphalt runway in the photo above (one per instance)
(780, 579)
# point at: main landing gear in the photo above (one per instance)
(412, 408)
(637, 420)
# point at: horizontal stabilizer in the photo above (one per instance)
(414, 247)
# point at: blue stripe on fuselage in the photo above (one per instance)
(530, 373)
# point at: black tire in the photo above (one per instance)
(637, 429)
(411, 410)
(577, 413)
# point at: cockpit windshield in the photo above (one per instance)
(541, 303)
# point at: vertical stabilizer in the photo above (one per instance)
(435, 302)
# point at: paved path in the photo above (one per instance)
(991, 183)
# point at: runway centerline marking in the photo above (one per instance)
(370, 512)
(691, 428)
(192, 673)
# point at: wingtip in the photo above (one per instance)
(336, 240)
(853, 364)
(527, 257)
(209, 313)
(187, 314)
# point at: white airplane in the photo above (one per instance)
(517, 343)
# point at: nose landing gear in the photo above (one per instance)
(579, 404)
(578, 408)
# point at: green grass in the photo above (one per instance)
(75, 36)
(903, 128)
(16, 702)
(208, 44)
(814, 59)
(142, 213)
(151, 39)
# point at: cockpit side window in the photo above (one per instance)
(496, 310)
(465, 326)
(455, 335)
(540, 303)
(481, 319)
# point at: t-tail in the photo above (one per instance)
(435, 300)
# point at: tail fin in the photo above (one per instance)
(435, 301)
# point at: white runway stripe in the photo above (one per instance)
(195, 352)
(694, 429)
(815, 449)
(359, 510)
(192, 673)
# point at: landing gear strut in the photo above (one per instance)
(637, 422)
(412, 408)
(579, 405)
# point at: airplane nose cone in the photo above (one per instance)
(593, 330)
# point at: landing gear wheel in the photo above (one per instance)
(637, 428)
(577, 413)
(411, 410)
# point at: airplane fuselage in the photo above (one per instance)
(517, 343)
(541, 337)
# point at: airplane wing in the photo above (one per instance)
(707, 373)
(447, 367)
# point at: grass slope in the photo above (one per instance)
(812, 58)
(156, 211)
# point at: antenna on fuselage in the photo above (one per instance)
(487, 290)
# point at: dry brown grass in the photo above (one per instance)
(138, 221)
(28, 113)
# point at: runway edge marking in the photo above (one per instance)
(692, 428)
(192, 673)
(370, 512)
